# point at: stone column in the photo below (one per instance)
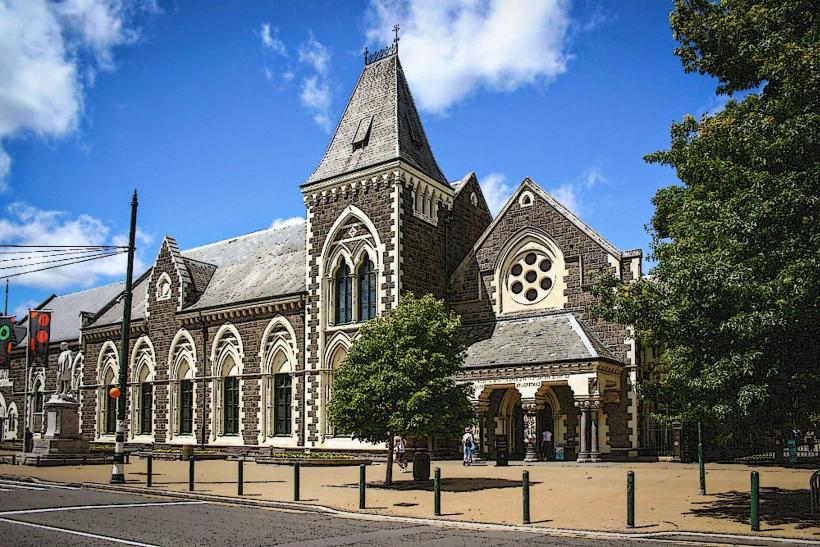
(530, 408)
(583, 453)
(480, 408)
(594, 455)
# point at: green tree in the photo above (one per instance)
(733, 297)
(398, 377)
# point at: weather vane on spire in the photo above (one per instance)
(392, 49)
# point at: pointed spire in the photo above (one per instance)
(380, 123)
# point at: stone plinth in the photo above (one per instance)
(62, 434)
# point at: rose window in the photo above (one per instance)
(530, 278)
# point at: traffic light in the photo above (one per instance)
(10, 336)
(40, 336)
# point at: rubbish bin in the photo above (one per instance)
(421, 466)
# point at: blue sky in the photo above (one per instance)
(217, 113)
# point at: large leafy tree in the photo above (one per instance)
(733, 297)
(398, 377)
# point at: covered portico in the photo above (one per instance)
(569, 388)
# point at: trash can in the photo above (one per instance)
(421, 465)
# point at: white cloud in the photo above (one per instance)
(285, 222)
(22, 309)
(496, 191)
(567, 194)
(571, 194)
(270, 38)
(50, 53)
(24, 224)
(288, 75)
(268, 73)
(315, 95)
(450, 48)
(315, 90)
(315, 54)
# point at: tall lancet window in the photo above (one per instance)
(367, 291)
(344, 295)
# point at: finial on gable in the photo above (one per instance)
(392, 49)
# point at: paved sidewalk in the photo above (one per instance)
(563, 495)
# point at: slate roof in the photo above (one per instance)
(396, 131)
(537, 340)
(263, 264)
(113, 314)
(65, 318)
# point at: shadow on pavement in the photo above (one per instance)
(777, 506)
(459, 484)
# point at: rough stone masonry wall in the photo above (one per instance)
(465, 224)
(422, 252)
(375, 199)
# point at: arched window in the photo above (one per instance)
(230, 397)
(335, 362)
(367, 291)
(281, 398)
(343, 295)
(146, 401)
(182, 357)
(110, 426)
(39, 396)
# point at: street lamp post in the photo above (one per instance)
(118, 469)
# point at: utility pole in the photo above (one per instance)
(118, 469)
(6, 306)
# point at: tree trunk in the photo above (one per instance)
(388, 477)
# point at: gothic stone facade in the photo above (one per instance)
(234, 344)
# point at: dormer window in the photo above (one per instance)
(525, 200)
(164, 287)
(362, 135)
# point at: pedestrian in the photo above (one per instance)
(810, 439)
(469, 445)
(401, 453)
(546, 444)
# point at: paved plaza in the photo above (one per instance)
(563, 495)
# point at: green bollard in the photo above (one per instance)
(630, 499)
(296, 481)
(149, 471)
(240, 477)
(361, 486)
(755, 501)
(437, 493)
(526, 484)
(191, 473)
(701, 467)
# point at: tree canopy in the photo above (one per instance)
(733, 297)
(398, 376)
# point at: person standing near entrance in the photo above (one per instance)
(401, 453)
(467, 441)
(546, 445)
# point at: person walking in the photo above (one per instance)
(546, 445)
(401, 453)
(469, 446)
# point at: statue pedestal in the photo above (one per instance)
(62, 436)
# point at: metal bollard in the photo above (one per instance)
(14, 459)
(240, 476)
(38, 461)
(701, 468)
(525, 482)
(191, 473)
(437, 493)
(755, 501)
(361, 486)
(296, 481)
(149, 472)
(630, 499)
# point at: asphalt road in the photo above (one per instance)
(43, 514)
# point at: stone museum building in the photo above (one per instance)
(234, 344)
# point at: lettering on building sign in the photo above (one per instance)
(530, 382)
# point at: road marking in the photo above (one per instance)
(109, 506)
(363, 537)
(78, 533)
(35, 486)
(25, 487)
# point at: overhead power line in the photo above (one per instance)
(77, 260)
